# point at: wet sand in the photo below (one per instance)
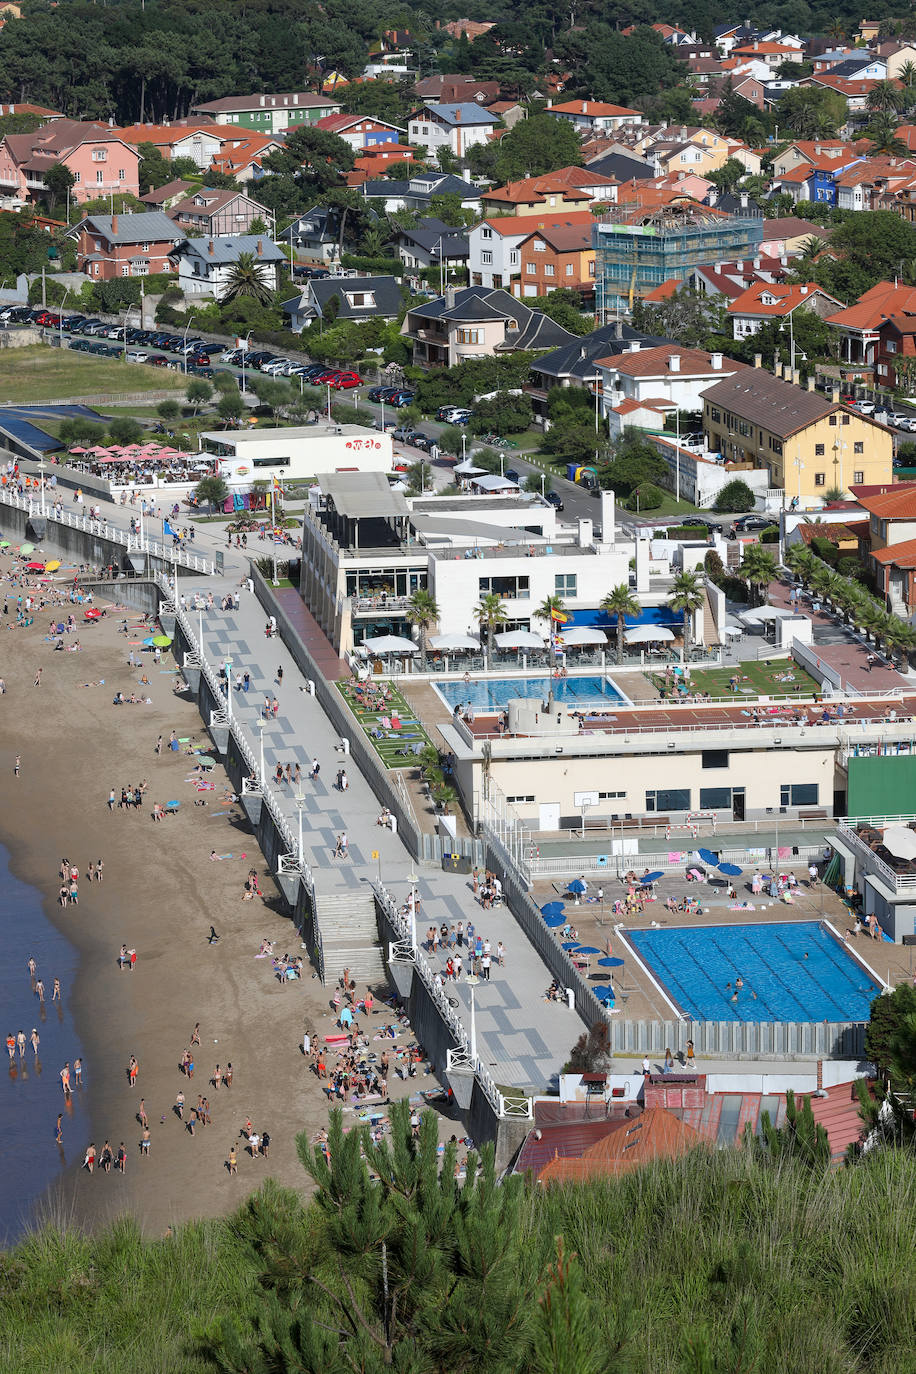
(160, 894)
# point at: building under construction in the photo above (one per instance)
(638, 248)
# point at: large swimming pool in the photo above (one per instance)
(493, 693)
(792, 971)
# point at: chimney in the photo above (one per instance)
(715, 361)
(835, 395)
(796, 378)
(210, 249)
(717, 267)
(633, 346)
(457, 116)
(449, 297)
(810, 383)
(784, 259)
(758, 360)
(585, 107)
(674, 362)
(804, 290)
(260, 248)
(744, 200)
(114, 224)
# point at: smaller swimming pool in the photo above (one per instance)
(494, 693)
(791, 971)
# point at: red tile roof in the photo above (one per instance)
(901, 555)
(656, 362)
(783, 299)
(875, 306)
(893, 504)
(595, 109)
(656, 1134)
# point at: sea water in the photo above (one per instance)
(30, 1090)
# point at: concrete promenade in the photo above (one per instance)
(522, 1038)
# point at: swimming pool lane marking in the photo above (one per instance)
(622, 934)
(885, 987)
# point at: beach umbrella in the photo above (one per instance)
(552, 908)
(93, 615)
(570, 944)
(577, 885)
(4, 543)
(607, 962)
(27, 548)
(34, 567)
(587, 949)
(553, 921)
(706, 856)
(148, 642)
(652, 877)
(730, 870)
(161, 641)
(391, 644)
(53, 565)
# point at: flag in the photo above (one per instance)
(559, 616)
(277, 488)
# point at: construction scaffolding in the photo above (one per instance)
(638, 248)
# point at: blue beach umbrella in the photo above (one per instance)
(608, 962)
(706, 856)
(652, 877)
(577, 885)
(604, 994)
(553, 921)
(587, 949)
(553, 909)
(730, 870)
(570, 944)
(148, 643)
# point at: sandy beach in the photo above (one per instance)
(160, 894)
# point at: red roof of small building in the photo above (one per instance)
(595, 109)
(776, 300)
(875, 306)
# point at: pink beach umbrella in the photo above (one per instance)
(79, 450)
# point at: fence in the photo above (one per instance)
(806, 658)
(101, 529)
(619, 861)
(737, 1039)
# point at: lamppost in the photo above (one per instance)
(300, 803)
(261, 741)
(472, 980)
(244, 351)
(184, 346)
(412, 910)
(61, 317)
(228, 671)
(799, 468)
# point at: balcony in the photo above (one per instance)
(904, 884)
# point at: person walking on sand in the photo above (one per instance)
(36, 1041)
(78, 1072)
(195, 1034)
(55, 995)
(121, 1161)
(179, 1105)
(217, 1078)
(144, 1141)
(17, 766)
(65, 1079)
(37, 682)
(40, 991)
(133, 1068)
(20, 1044)
(227, 1076)
(111, 799)
(232, 1162)
(89, 1161)
(141, 1114)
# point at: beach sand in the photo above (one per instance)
(160, 894)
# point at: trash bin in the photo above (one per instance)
(570, 999)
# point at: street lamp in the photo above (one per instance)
(799, 468)
(184, 346)
(244, 351)
(472, 980)
(61, 317)
(412, 910)
(300, 802)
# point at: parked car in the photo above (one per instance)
(512, 475)
(400, 399)
(346, 381)
(554, 499)
(135, 355)
(382, 393)
(746, 524)
(696, 522)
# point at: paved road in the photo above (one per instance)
(522, 1038)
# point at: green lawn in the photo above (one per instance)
(37, 374)
(391, 745)
(762, 678)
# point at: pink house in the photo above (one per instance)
(100, 161)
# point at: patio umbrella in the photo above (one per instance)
(730, 870)
(391, 644)
(706, 856)
(569, 944)
(648, 634)
(161, 641)
(553, 921)
(553, 909)
(468, 469)
(27, 548)
(733, 631)
(652, 877)
(518, 639)
(584, 634)
(587, 949)
(604, 993)
(766, 613)
(610, 963)
(577, 885)
(453, 642)
(900, 841)
(78, 450)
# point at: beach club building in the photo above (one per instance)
(297, 453)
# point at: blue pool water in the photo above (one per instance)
(494, 692)
(694, 964)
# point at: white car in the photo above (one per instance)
(275, 367)
(135, 356)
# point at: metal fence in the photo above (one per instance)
(737, 1039)
(615, 864)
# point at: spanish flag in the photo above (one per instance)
(278, 490)
(559, 616)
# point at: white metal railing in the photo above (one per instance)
(613, 864)
(103, 530)
(898, 882)
(408, 948)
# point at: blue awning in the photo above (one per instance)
(649, 615)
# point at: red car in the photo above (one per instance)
(345, 381)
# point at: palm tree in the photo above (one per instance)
(422, 611)
(811, 247)
(800, 560)
(687, 596)
(248, 277)
(620, 602)
(490, 612)
(550, 610)
(898, 635)
(759, 567)
(885, 95)
(882, 133)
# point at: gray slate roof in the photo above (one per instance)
(152, 227)
(756, 395)
(229, 247)
(578, 359)
(385, 289)
(475, 303)
(465, 112)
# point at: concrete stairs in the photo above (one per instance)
(349, 937)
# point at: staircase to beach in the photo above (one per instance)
(349, 936)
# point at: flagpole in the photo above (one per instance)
(273, 533)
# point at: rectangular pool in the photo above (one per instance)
(792, 971)
(493, 693)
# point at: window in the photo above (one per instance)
(832, 421)
(121, 174)
(514, 801)
(486, 258)
(611, 796)
(715, 758)
(270, 462)
(820, 479)
(77, 176)
(531, 268)
(100, 176)
(486, 233)
(98, 245)
(798, 794)
(538, 245)
(845, 420)
(470, 336)
(145, 247)
(858, 447)
(858, 476)
(818, 450)
(99, 155)
(548, 269)
(125, 269)
(890, 346)
(668, 799)
(715, 415)
(715, 798)
(513, 258)
(569, 269)
(564, 584)
(504, 586)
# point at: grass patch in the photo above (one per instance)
(39, 373)
(754, 679)
(396, 748)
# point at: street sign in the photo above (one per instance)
(375, 853)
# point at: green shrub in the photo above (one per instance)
(770, 535)
(735, 496)
(646, 497)
(682, 531)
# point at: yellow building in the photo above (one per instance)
(811, 444)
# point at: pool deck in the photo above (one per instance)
(640, 999)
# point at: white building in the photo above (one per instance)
(205, 265)
(493, 250)
(297, 453)
(457, 127)
(668, 376)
